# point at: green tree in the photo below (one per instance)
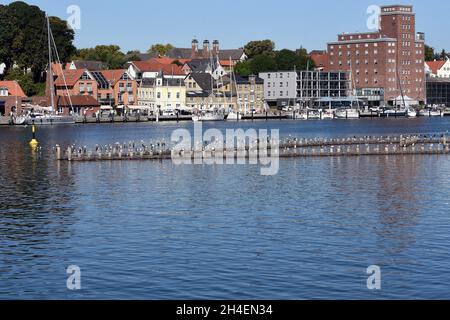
(288, 60)
(443, 55)
(25, 80)
(160, 49)
(243, 68)
(263, 63)
(61, 35)
(429, 53)
(110, 55)
(255, 48)
(23, 37)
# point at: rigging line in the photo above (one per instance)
(60, 66)
(41, 41)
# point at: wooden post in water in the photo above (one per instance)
(58, 152)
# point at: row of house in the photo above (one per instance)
(184, 79)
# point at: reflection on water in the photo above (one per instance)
(155, 230)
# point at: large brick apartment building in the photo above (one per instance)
(386, 61)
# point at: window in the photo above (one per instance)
(158, 95)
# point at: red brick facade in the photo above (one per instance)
(381, 61)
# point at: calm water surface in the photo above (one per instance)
(153, 230)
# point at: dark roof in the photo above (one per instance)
(89, 65)
(78, 101)
(168, 82)
(201, 65)
(180, 53)
(204, 80)
(245, 80)
(155, 66)
(186, 53)
(234, 54)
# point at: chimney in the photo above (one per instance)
(194, 48)
(206, 49)
(215, 48)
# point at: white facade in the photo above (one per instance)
(2, 68)
(279, 85)
(442, 72)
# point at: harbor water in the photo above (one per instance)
(155, 230)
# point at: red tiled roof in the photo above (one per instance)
(153, 66)
(57, 68)
(113, 76)
(77, 101)
(226, 63)
(14, 88)
(71, 77)
(435, 66)
(320, 58)
(163, 60)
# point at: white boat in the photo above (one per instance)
(411, 113)
(20, 120)
(302, 115)
(313, 115)
(169, 113)
(232, 115)
(430, 113)
(215, 115)
(347, 114)
(47, 115)
(48, 119)
(327, 115)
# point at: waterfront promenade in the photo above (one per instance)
(181, 118)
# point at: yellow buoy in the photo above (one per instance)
(33, 142)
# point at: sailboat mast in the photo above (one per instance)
(401, 88)
(50, 77)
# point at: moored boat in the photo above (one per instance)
(347, 114)
(232, 115)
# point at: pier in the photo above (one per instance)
(415, 144)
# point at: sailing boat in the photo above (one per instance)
(349, 113)
(48, 115)
(214, 112)
(409, 112)
(234, 114)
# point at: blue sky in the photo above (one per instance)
(136, 24)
